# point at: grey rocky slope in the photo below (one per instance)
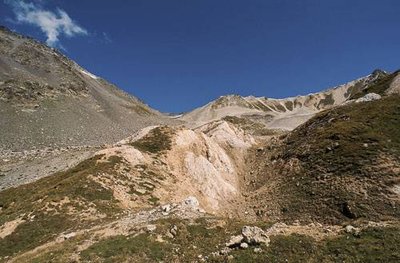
(48, 100)
(283, 114)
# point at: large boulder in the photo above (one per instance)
(369, 97)
(253, 235)
(191, 201)
(234, 241)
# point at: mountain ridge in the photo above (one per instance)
(44, 89)
(286, 113)
(88, 173)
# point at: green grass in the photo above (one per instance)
(250, 126)
(341, 151)
(202, 237)
(58, 253)
(372, 245)
(140, 248)
(379, 86)
(33, 198)
(30, 234)
(289, 105)
(156, 141)
(328, 100)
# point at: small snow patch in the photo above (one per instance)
(89, 74)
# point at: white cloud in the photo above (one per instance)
(53, 24)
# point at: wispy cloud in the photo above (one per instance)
(106, 38)
(52, 23)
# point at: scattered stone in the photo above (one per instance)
(151, 228)
(350, 229)
(166, 208)
(69, 235)
(254, 235)
(328, 149)
(192, 201)
(235, 241)
(257, 250)
(244, 245)
(170, 235)
(160, 239)
(224, 251)
(141, 191)
(174, 230)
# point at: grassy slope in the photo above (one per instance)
(203, 237)
(379, 86)
(156, 141)
(349, 158)
(36, 203)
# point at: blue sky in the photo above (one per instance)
(178, 54)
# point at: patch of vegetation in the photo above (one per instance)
(59, 253)
(279, 107)
(260, 106)
(248, 125)
(326, 101)
(139, 109)
(140, 248)
(229, 100)
(357, 87)
(32, 233)
(379, 86)
(371, 245)
(342, 153)
(289, 105)
(156, 141)
(293, 248)
(154, 200)
(205, 236)
(191, 240)
(32, 200)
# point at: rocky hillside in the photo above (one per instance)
(312, 178)
(327, 191)
(342, 164)
(281, 114)
(48, 100)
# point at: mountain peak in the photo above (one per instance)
(379, 72)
